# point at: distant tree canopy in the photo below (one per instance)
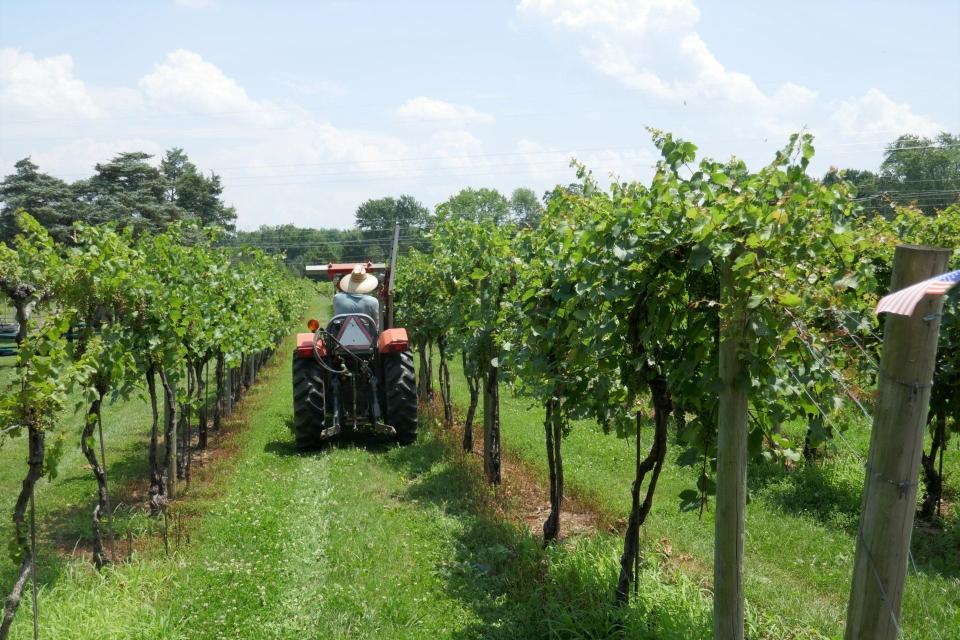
(476, 205)
(915, 171)
(194, 192)
(383, 213)
(303, 246)
(49, 200)
(525, 207)
(127, 191)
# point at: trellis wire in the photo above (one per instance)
(859, 457)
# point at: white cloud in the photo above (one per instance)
(185, 81)
(620, 164)
(77, 158)
(626, 16)
(543, 165)
(876, 113)
(652, 46)
(43, 86)
(424, 108)
(371, 152)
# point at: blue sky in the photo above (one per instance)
(308, 108)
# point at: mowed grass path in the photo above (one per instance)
(800, 526)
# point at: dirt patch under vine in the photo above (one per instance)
(523, 498)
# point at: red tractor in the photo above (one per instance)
(357, 372)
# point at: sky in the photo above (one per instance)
(307, 109)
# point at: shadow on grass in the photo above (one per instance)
(516, 588)
(822, 492)
(937, 551)
(72, 522)
(69, 527)
(831, 494)
(372, 442)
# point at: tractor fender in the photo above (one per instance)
(393, 341)
(305, 346)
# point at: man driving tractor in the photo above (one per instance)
(354, 297)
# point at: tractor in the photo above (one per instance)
(356, 373)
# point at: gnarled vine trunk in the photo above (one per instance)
(185, 430)
(157, 491)
(932, 476)
(425, 382)
(443, 374)
(473, 384)
(201, 389)
(553, 428)
(23, 309)
(169, 433)
(36, 452)
(652, 464)
(102, 507)
(219, 406)
(491, 425)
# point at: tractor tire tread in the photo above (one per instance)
(308, 402)
(401, 396)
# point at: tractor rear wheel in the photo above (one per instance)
(401, 395)
(308, 402)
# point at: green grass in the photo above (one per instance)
(799, 532)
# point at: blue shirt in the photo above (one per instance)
(356, 303)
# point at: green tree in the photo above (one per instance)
(49, 200)
(381, 214)
(99, 276)
(915, 171)
(301, 246)
(525, 208)
(923, 172)
(197, 195)
(476, 205)
(129, 192)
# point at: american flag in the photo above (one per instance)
(903, 302)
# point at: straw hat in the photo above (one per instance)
(359, 281)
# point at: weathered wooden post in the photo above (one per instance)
(893, 466)
(732, 432)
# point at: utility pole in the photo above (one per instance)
(896, 443)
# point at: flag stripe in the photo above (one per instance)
(905, 301)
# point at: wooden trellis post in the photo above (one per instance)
(893, 466)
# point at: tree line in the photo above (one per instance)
(915, 171)
(374, 222)
(126, 191)
(708, 308)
